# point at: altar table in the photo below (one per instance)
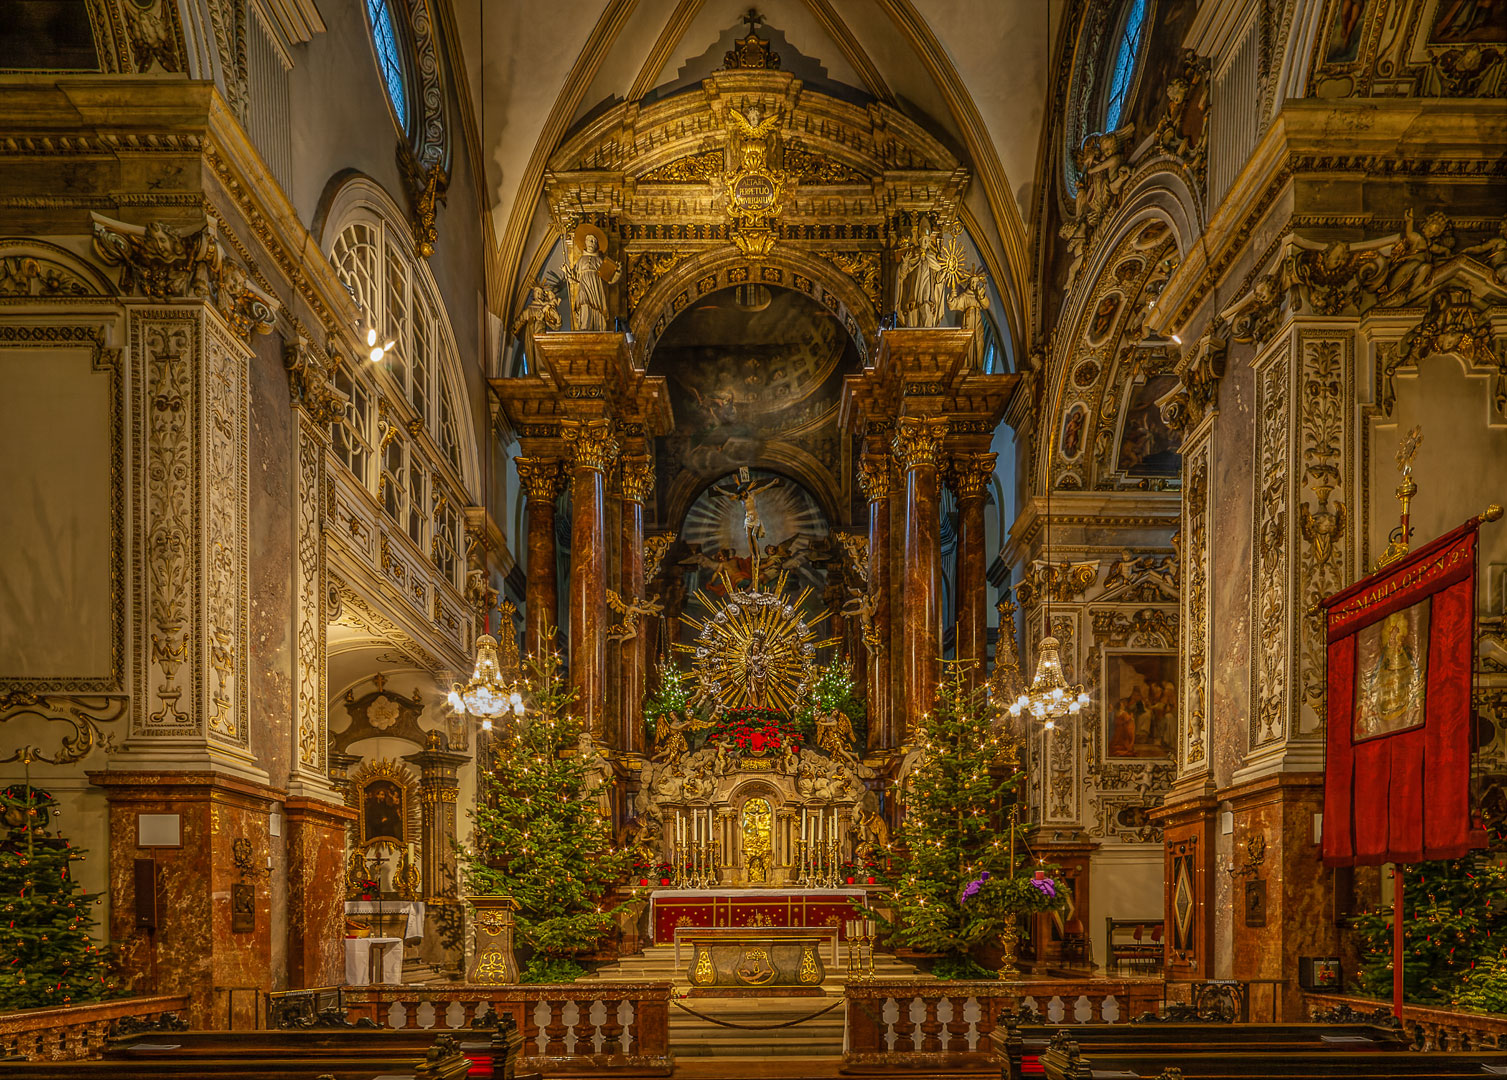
(407, 913)
(705, 908)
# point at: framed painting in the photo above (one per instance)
(1148, 447)
(1140, 705)
(1391, 672)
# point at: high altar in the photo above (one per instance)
(763, 822)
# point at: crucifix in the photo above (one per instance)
(745, 491)
(753, 19)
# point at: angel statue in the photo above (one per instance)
(861, 605)
(632, 610)
(670, 746)
(834, 734)
(589, 271)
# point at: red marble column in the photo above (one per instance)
(638, 483)
(315, 838)
(591, 448)
(970, 477)
(541, 481)
(918, 448)
(874, 479)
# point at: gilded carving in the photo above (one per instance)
(30, 275)
(757, 185)
(1195, 608)
(309, 592)
(590, 443)
(224, 516)
(152, 29)
(163, 264)
(1198, 373)
(540, 477)
(918, 441)
(637, 477)
(644, 270)
(311, 379)
(426, 187)
(969, 474)
(655, 548)
(1059, 582)
(861, 266)
(83, 713)
(1270, 589)
(1182, 131)
(874, 477)
(1453, 324)
(701, 168)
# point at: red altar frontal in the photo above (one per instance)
(670, 909)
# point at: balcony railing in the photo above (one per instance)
(73, 1032)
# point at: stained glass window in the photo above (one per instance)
(1127, 52)
(388, 59)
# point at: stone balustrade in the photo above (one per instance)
(948, 1024)
(567, 1027)
(1429, 1027)
(74, 1032)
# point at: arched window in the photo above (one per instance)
(1110, 43)
(389, 57)
(402, 435)
(1127, 52)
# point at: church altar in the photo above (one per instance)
(755, 908)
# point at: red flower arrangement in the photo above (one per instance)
(757, 731)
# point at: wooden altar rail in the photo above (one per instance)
(1428, 1027)
(622, 1027)
(74, 1032)
(947, 1024)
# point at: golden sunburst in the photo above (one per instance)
(753, 648)
(952, 264)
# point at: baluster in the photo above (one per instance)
(611, 1030)
(931, 1028)
(957, 1025)
(626, 1015)
(584, 1028)
(556, 1029)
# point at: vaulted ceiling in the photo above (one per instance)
(973, 72)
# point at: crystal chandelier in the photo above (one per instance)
(489, 695)
(1049, 697)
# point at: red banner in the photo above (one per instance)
(1401, 658)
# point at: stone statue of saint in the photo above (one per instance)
(589, 271)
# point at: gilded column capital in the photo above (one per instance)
(638, 477)
(918, 441)
(969, 474)
(874, 477)
(540, 478)
(590, 443)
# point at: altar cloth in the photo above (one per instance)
(672, 908)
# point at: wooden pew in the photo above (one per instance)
(1021, 1045)
(431, 1058)
(1063, 1060)
(496, 1050)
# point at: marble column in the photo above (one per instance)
(591, 449)
(918, 448)
(315, 843)
(969, 476)
(541, 481)
(638, 484)
(874, 480)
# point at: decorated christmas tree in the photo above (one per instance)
(47, 956)
(955, 889)
(1454, 930)
(540, 835)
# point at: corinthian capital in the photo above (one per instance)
(540, 478)
(919, 441)
(970, 474)
(590, 443)
(638, 477)
(874, 477)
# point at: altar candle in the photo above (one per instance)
(803, 824)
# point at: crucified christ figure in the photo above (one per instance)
(745, 491)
